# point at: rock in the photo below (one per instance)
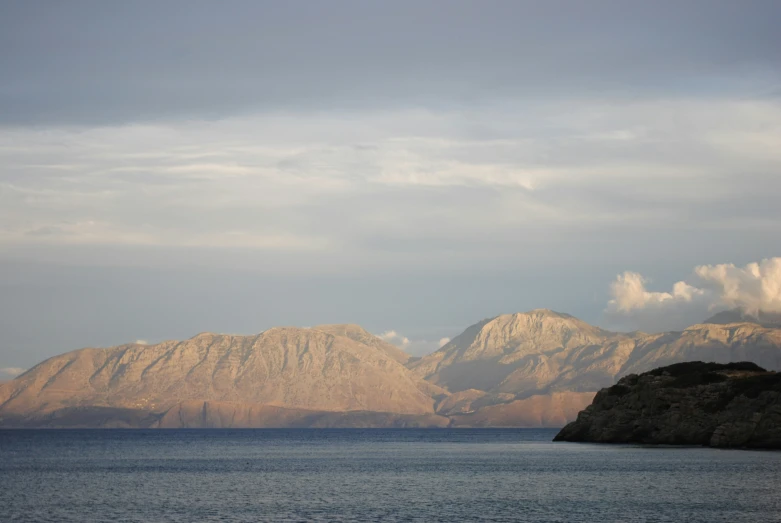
(692, 403)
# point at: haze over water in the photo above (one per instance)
(374, 475)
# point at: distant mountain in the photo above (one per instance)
(766, 319)
(283, 376)
(541, 354)
(514, 353)
(538, 368)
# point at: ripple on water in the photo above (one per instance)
(374, 475)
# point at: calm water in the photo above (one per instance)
(374, 475)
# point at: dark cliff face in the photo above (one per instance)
(693, 403)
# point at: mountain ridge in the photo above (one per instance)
(282, 367)
(534, 368)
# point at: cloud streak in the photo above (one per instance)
(283, 182)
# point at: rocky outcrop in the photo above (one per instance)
(693, 403)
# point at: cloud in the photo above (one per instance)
(630, 294)
(142, 342)
(12, 371)
(446, 184)
(752, 288)
(413, 347)
(395, 338)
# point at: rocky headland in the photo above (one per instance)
(734, 405)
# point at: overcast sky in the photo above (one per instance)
(168, 168)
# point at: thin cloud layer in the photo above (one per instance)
(382, 182)
(753, 288)
(11, 372)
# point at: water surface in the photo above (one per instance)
(374, 475)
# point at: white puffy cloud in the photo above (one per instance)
(395, 338)
(413, 347)
(12, 371)
(629, 293)
(753, 288)
(142, 342)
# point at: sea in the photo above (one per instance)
(362, 475)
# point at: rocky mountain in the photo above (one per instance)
(765, 319)
(284, 375)
(356, 333)
(693, 403)
(542, 354)
(707, 342)
(538, 368)
(509, 353)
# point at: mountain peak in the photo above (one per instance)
(542, 319)
(342, 329)
(506, 342)
(765, 319)
(544, 313)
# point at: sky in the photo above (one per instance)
(168, 168)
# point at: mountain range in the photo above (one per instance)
(538, 368)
